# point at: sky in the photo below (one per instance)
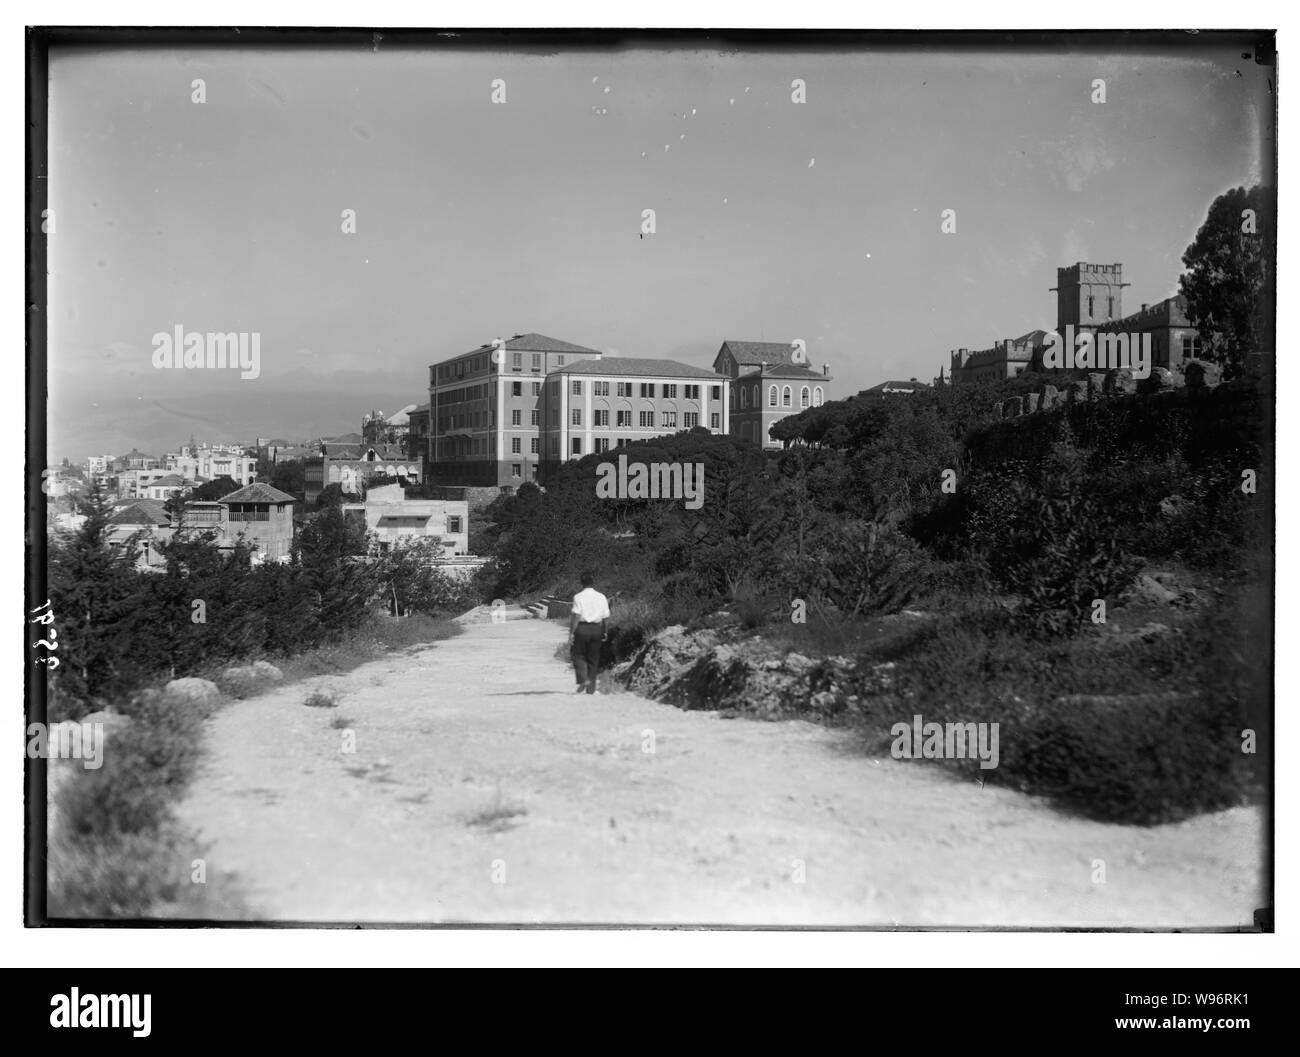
(774, 220)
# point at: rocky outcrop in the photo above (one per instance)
(723, 669)
(250, 679)
(192, 691)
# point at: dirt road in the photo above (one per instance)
(481, 789)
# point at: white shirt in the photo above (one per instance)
(590, 606)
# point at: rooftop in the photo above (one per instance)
(636, 367)
(141, 512)
(257, 493)
(770, 352)
(785, 370)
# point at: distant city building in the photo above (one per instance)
(769, 380)
(1006, 359)
(352, 466)
(417, 438)
(392, 518)
(595, 405)
(263, 516)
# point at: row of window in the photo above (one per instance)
(646, 389)
(783, 397)
(447, 371)
(645, 419)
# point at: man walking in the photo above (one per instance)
(587, 632)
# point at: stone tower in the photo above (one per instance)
(1089, 295)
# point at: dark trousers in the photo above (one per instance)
(586, 654)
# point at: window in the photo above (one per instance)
(692, 392)
(600, 418)
(1110, 308)
(647, 419)
(516, 361)
(516, 418)
(785, 396)
(537, 389)
(516, 388)
(576, 388)
(514, 446)
(670, 418)
(532, 417)
(625, 419)
(670, 391)
(817, 397)
(804, 397)
(600, 389)
(690, 418)
(516, 469)
(1090, 304)
(623, 388)
(575, 416)
(715, 392)
(1191, 347)
(576, 447)
(454, 524)
(559, 361)
(715, 421)
(744, 397)
(602, 444)
(771, 397)
(534, 443)
(537, 361)
(648, 389)
(555, 446)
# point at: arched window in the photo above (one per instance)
(804, 397)
(771, 397)
(744, 397)
(785, 397)
(758, 396)
(817, 397)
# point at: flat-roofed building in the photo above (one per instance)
(593, 406)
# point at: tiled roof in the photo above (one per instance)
(784, 370)
(898, 385)
(637, 367)
(535, 343)
(258, 493)
(770, 352)
(141, 512)
(172, 480)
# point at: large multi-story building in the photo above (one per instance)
(392, 518)
(767, 381)
(1173, 338)
(484, 409)
(594, 405)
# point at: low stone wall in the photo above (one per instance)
(1098, 385)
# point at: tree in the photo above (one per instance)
(1228, 284)
(94, 592)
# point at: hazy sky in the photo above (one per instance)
(775, 220)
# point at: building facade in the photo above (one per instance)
(1007, 358)
(264, 517)
(595, 405)
(485, 410)
(392, 518)
(768, 381)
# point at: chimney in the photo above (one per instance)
(826, 368)
(1145, 306)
